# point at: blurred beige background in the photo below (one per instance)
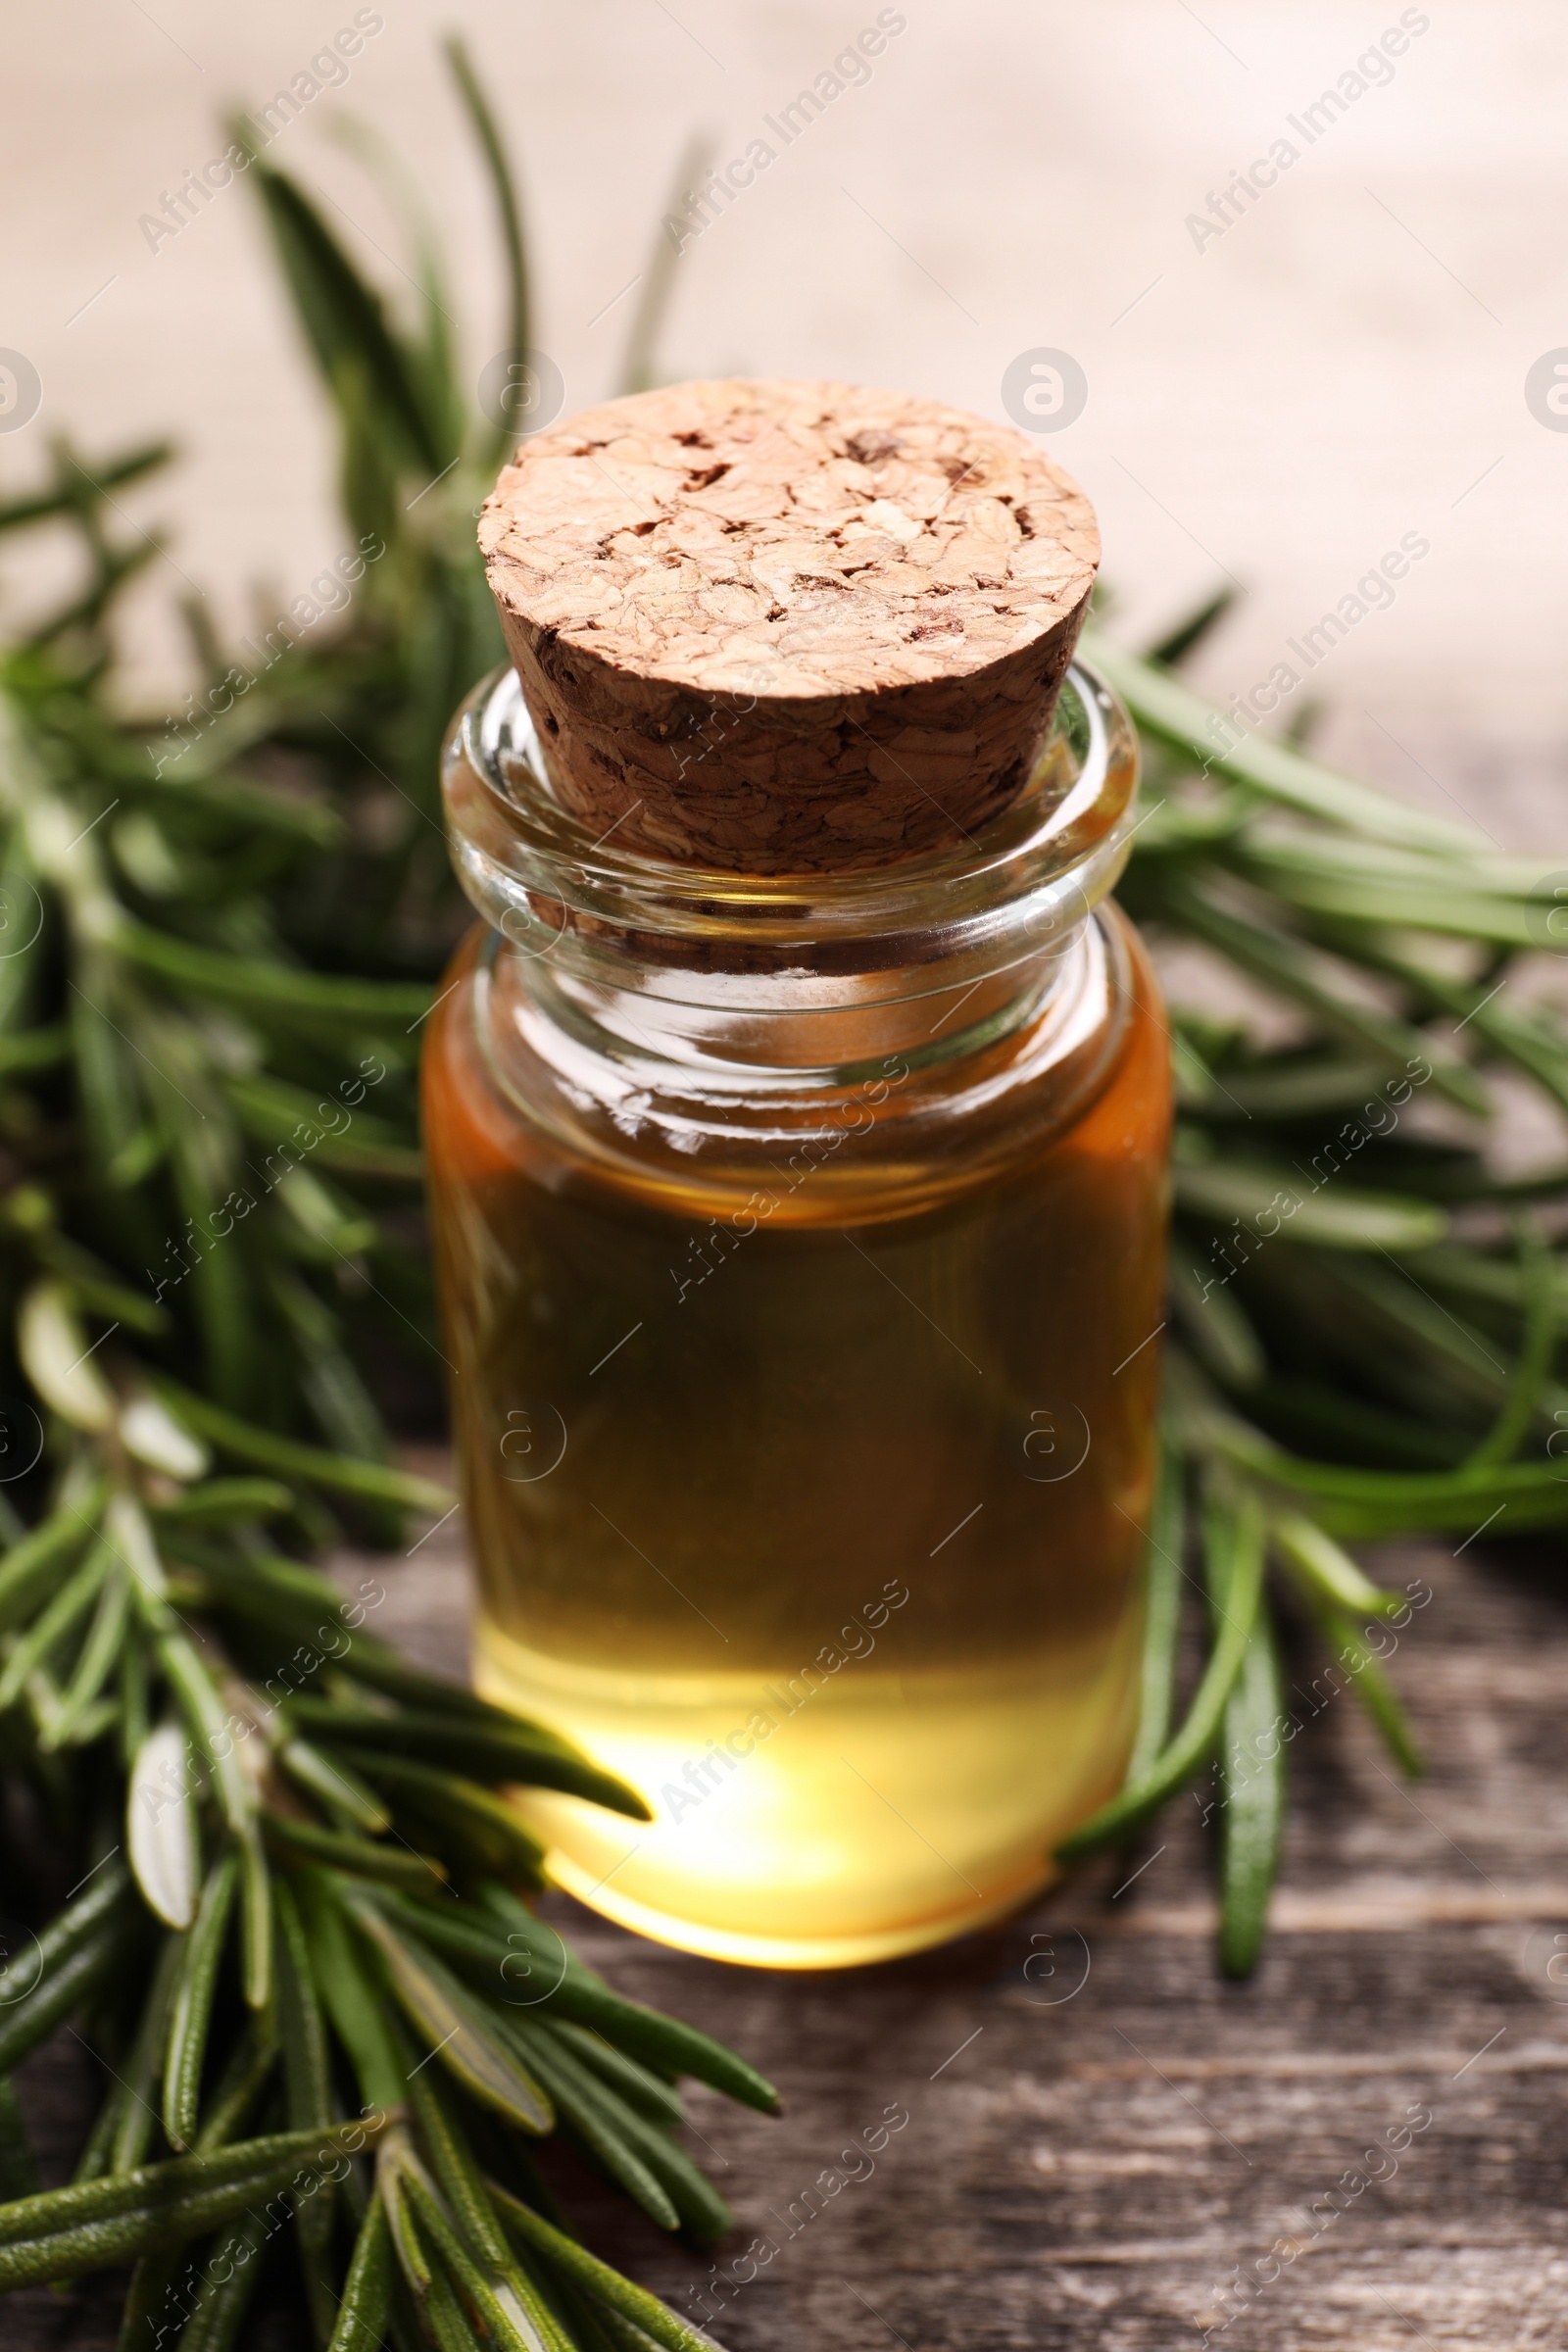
(1280, 402)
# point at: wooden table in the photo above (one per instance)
(1101, 2134)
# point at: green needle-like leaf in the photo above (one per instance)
(1236, 1527)
(502, 2309)
(192, 2009)
(1275, 1203)
(446, 2146)
(1329, 1575)
(143, 2075)
(666, 2044)
(1536, 1356)
(1251, 1786)
(588, 2101)
(345, 319)
(1353, 1649)
(332, 1782)
(241, 2084)
(508, 211)
(364, 2313)
(352, 1990)
(395, 1865)
(68, 1606)
(231, 2277)
(492, 1751)
(308, 2092)
(99, 1656)
(375, 1482)
(1172, 713)
(640, 2089)
(662, 2325)
(1162, 1604)
(102, 2223)
(593, 2121)
(1188, 634)
(455, 2025)
(64, 1963)
(36, 1563)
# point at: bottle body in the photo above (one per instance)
(806, 1417)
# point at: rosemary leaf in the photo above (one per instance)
(1237, 1526)
(192, 2007)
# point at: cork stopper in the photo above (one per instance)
(780, 627)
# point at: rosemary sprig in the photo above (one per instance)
(1366, 1319)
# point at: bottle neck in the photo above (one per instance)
(968, 1069)
(794, 1032)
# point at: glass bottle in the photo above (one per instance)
(801, 1242)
